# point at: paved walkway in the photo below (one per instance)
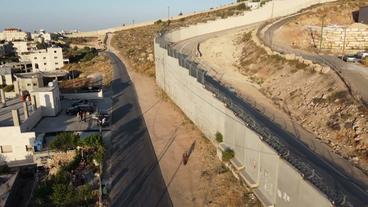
(134, 173)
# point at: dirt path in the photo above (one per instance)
(203, 181)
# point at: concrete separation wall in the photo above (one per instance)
(281, 175)
(261, 166)
(127, 27)
(281, 8)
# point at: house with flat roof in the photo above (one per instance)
(17, 120)
(11, 34)
(49, 59)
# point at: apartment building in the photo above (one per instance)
(12, 34)
(21, 47)
(49, 59)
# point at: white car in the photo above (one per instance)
(350, 58)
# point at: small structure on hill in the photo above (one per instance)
(363, 15)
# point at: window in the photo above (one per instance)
(36, 66)
(54, 51)
(35, 58)
(28, 84)
(29, 148)
(34, 84)
(55, 57)
(6, 149)
(56, 63)
(44, 58)
(45, 64)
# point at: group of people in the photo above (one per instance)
(82, 115)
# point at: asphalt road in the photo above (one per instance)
(334, 176)
(134, 173)
(354, 76)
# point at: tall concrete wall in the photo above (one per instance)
(127, 27)
(268, 11)
(276, 182)
(263, 166)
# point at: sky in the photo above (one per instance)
(88, 15)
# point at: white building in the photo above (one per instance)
(41, 36)
(28, 82)
(6, 76)
(253, 5)
(21, 47)
(17, 140)
(11, 34)
(48, 98)
(50, 59)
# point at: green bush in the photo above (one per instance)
(63, 195)
(65, 141)
(93, 141)
(228, 154)
(219, 137)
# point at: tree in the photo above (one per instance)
(85, 193)
(63, 195)
(65, 141)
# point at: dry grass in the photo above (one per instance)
(81, 40)
(98, 65)
(136, 45)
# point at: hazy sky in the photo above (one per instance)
(85, 15)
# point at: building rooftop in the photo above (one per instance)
(6, 118)
(29, 75)
(5, 70)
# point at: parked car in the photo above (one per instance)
(350, 58)
(73, 110)
(362, 55)
(82, 101)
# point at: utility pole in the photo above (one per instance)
(322, 26)
(273, 7)
(343, 47)
(168, 13)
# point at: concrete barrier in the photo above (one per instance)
(263, 168)
(275, 181)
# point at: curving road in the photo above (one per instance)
(354, 76)
(356, 189)
(132, 170)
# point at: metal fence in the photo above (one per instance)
(283, 142)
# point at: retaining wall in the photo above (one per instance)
(338, 38)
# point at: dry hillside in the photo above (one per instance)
(217, 186)
(318, 102)
(98, 65)
(137, 44)
(295, 33)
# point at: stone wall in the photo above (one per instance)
(333, 38)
